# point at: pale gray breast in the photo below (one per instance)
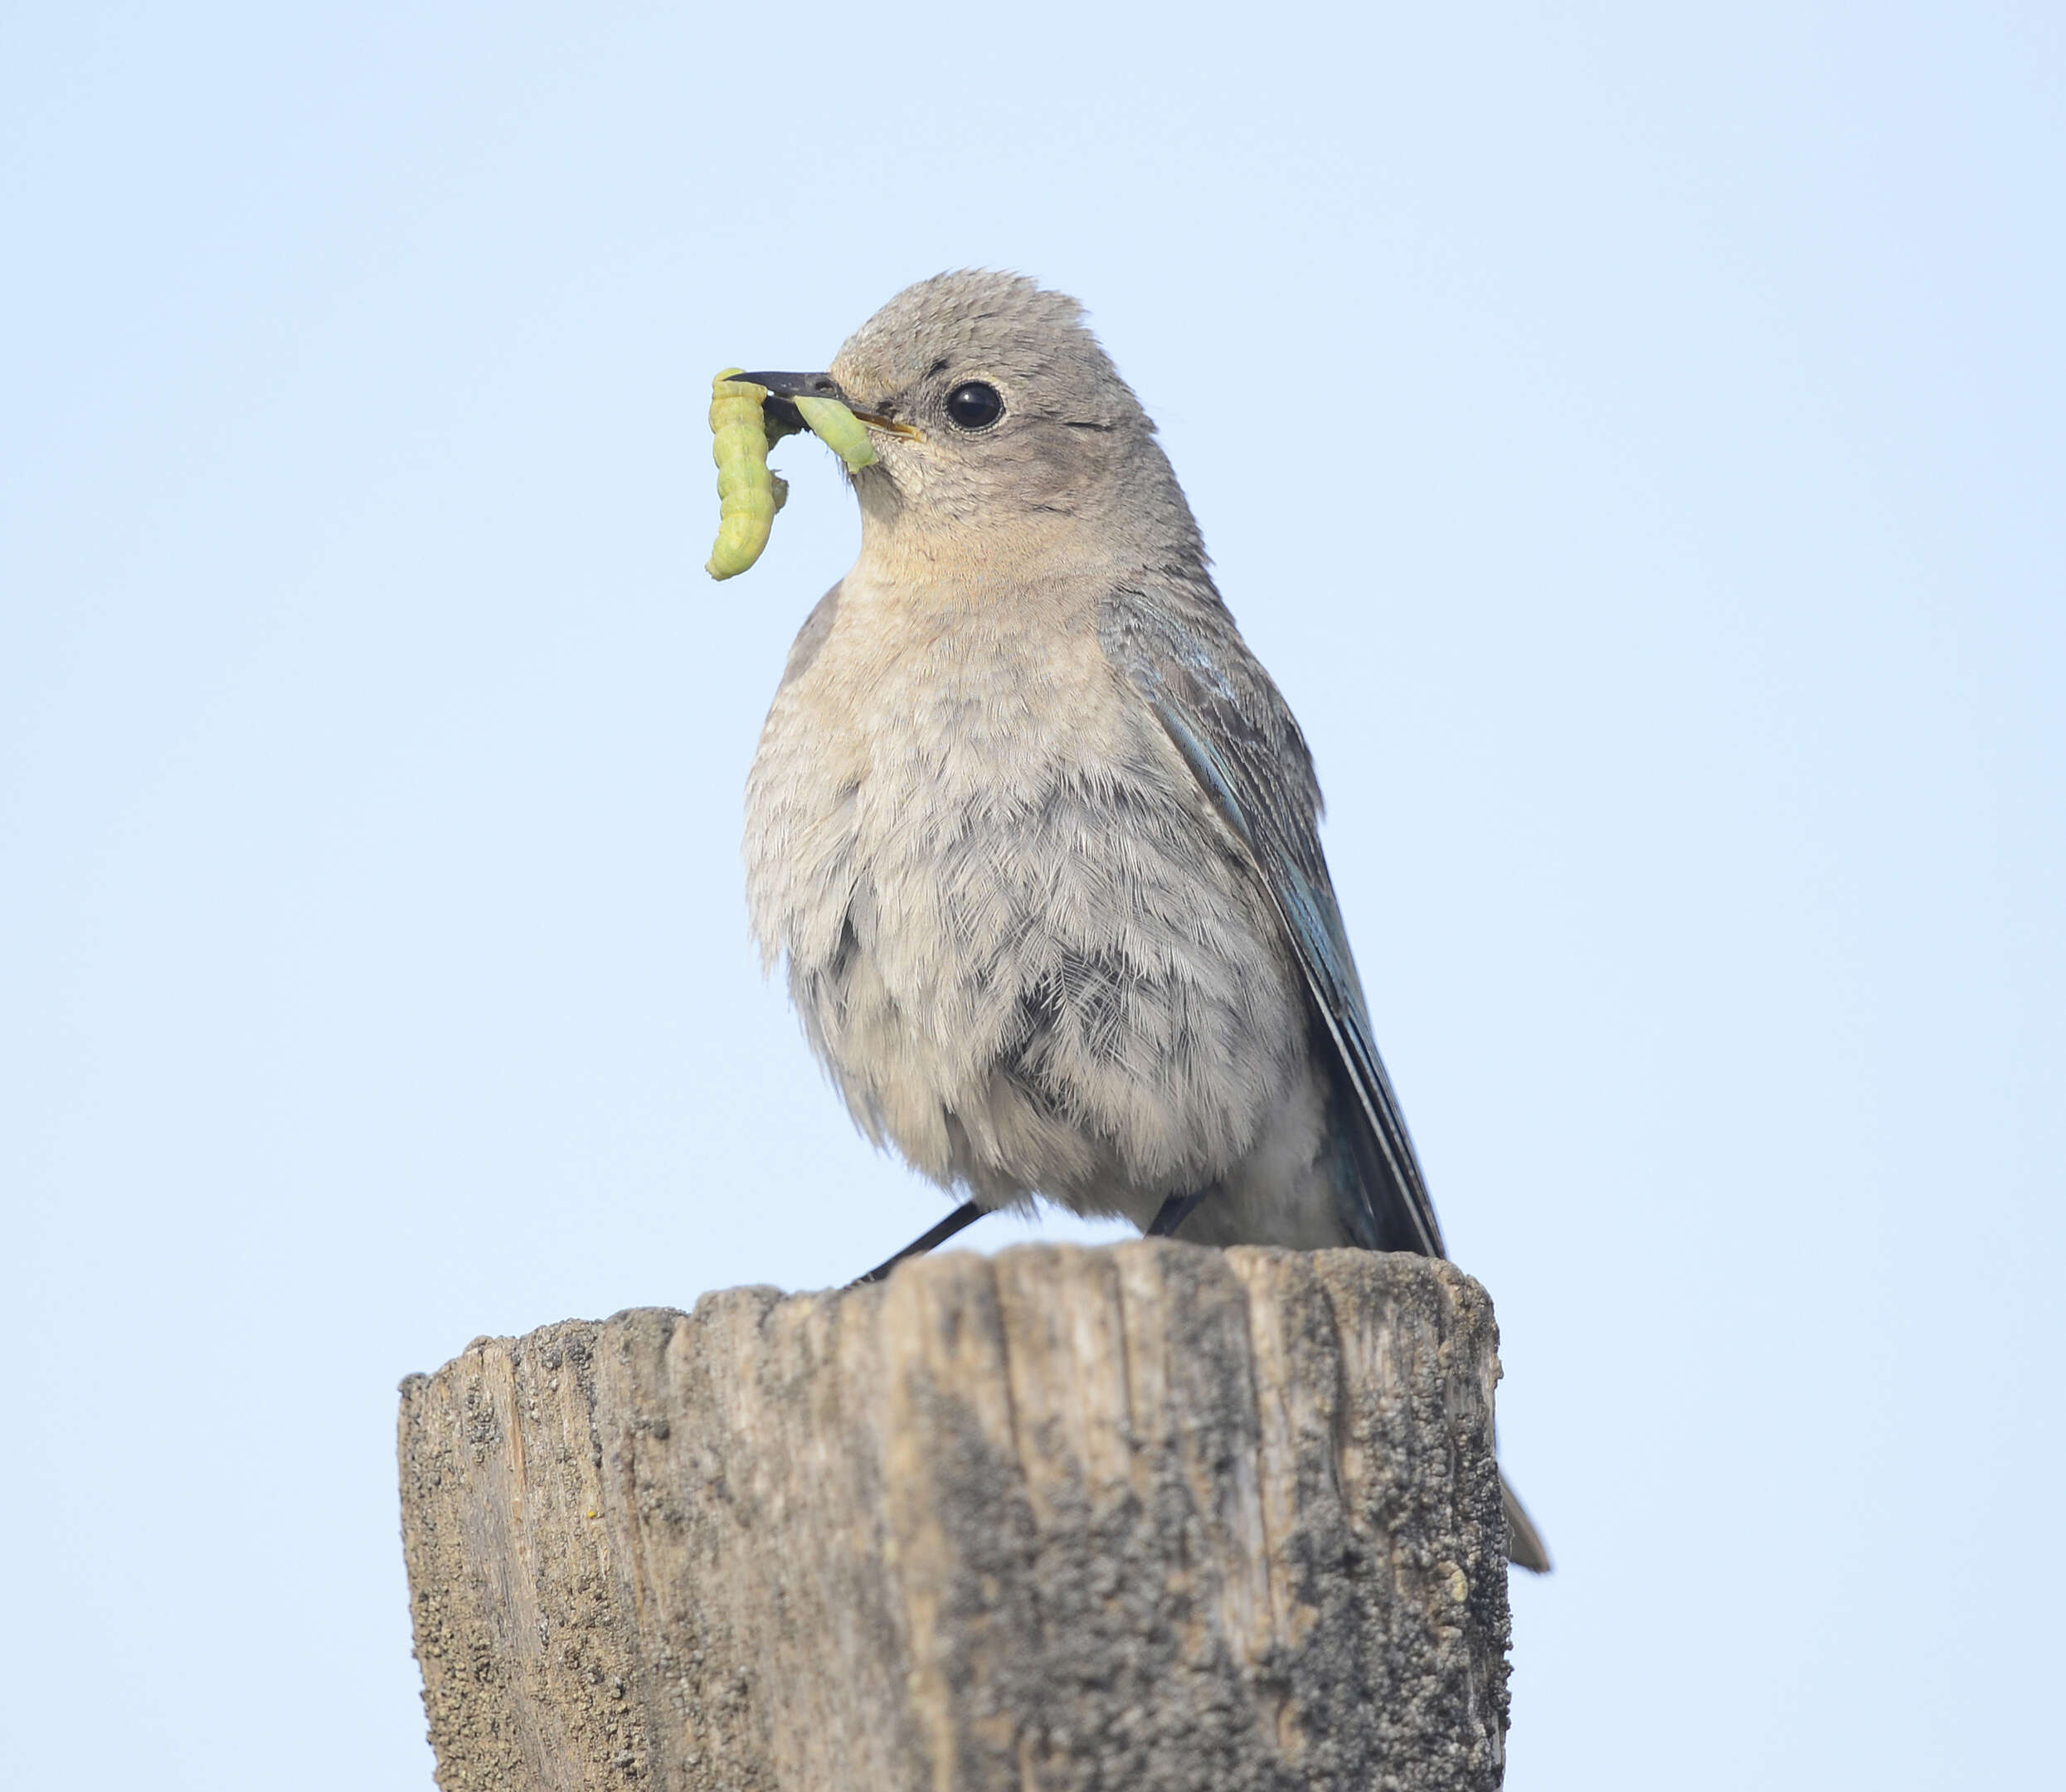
(1017, 935)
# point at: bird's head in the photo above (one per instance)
(996, 414)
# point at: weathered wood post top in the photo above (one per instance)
(1150, 1517)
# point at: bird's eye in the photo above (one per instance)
(975, 404)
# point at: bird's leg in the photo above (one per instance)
(1174, 1212)
(966, 1215)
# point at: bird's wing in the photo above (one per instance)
(1235, 731)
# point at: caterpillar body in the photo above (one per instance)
(748, 494)
(838, 429)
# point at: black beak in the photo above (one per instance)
(784, 387)
(797, 384)
(781, 387)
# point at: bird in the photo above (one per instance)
(1036, 837)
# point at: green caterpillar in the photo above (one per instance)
(748, 494)
(840, 429)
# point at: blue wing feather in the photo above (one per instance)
(1234, 731)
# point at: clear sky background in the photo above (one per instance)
(1633, 439)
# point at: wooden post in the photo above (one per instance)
(1152, 1517)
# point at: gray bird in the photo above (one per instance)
(1038, 838)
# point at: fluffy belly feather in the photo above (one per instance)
(1016, 937)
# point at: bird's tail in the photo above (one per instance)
(1524, 1545)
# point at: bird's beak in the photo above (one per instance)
(784, 387)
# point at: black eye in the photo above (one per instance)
(975, 405)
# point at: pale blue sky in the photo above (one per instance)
(1634, 440)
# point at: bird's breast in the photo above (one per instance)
(930, 749)
(1015, 931)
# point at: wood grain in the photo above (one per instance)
(1151, 1516)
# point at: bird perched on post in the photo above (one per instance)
(1038, 838)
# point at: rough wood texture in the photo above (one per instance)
(1153, 1517)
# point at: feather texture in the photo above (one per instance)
(1238, 736)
